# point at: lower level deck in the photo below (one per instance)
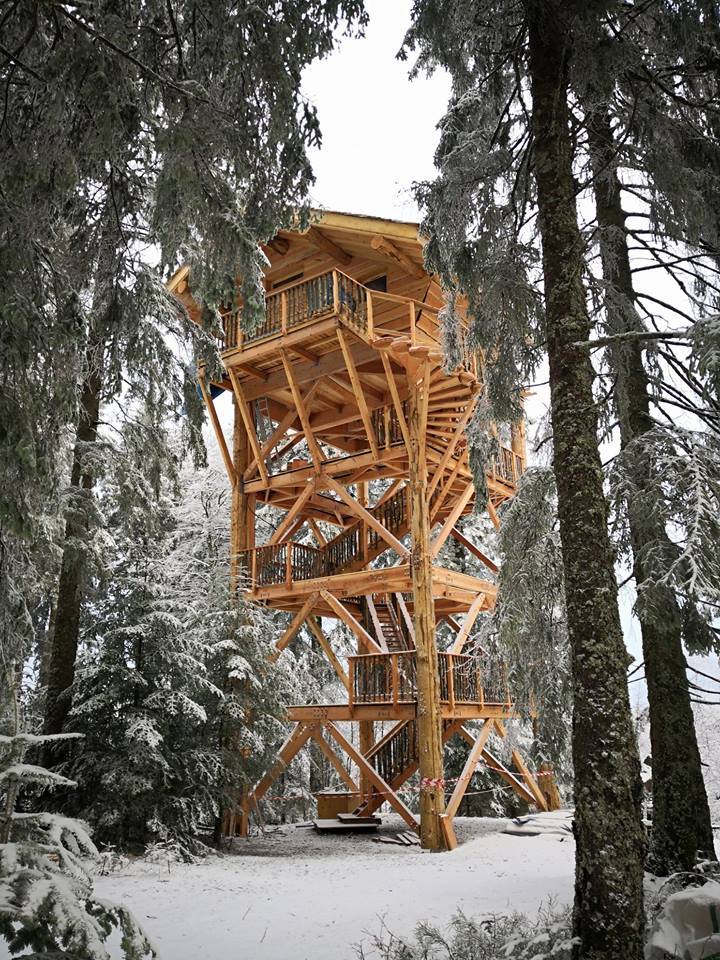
(318, 713)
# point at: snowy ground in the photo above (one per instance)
(297, 894)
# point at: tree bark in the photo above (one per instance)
(681, 815)
(64, 641)
(608, 911)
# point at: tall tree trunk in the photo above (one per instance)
(608, 914)
(63, 652)
(681, 815)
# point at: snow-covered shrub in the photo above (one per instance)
(513, 937)
(46, 901)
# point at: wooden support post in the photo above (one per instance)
(470, 618)
(329, 652)
(333, 758)
(397, 402)
(454, 515)
(359, 393)
(366, 742)
(219, 435)
(292, 746)
(349, 620)
(295, 624)
(302, 411)
(468, 770)
(364, 515)
(240, 516)
(319, 536)
(293, 512)
(529, 780)
(429, 722)
(249, 425)
(476, 551)
(493, 515)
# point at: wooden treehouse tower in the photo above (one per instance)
(342, 385)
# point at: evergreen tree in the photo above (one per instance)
(125, 127)
(621, 127)
(509, 117)
(530, 623)
(46, 901)
(175, 697)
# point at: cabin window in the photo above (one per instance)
(286, 280)
(377, 283)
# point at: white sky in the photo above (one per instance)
(378, 127)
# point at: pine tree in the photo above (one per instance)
(510, 115)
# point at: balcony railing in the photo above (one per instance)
(331, 294)
(279, 563)
(506, 465)
(391, 678)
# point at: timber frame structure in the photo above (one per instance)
(343, 384)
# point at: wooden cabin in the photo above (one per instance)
(347, 422)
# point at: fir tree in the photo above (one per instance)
(126, 127)
(509, 117)
(46, 901)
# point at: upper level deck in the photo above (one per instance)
(322, 385)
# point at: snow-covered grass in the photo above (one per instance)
(296, 894)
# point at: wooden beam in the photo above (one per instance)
(278, 433)
(302, 411)
(450, 450)
(529, 780)
(305, 354)
(249, 425)
(292, 746)
(443, 495)
(469, 545)
(493, 515)
(468, 770)
(322, 242)
(470, 618)
(334, 759)
(365, 515)
(319, 536)
(386, 246)
(497, 766)
(372, 775)
(359, 394)
(376, 623)
(349, 620)
(454, 515)
(292, 513)
(222, 443)
(296, 623)
(397, 402)
(329, 652)
(429, 708)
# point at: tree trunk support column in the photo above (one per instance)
(430, 743)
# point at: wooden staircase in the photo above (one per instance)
(386, 618)
(395, 757)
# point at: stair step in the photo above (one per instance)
(358, 818)
(338, 826)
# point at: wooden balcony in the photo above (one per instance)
(334, 296)
(390, 678)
